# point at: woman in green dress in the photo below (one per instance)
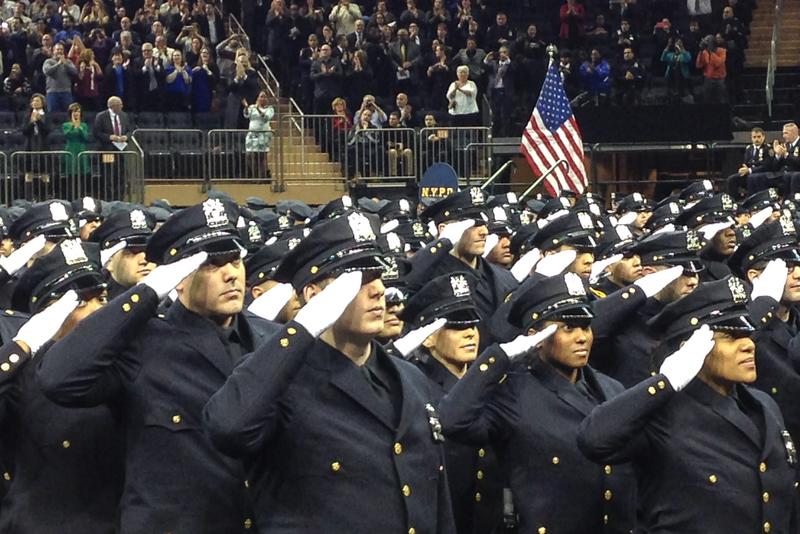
(76, 134)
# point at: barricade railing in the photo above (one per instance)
(172, 154)
(236, 155)
(313, 148)
(383, 155)
(108, 175)
(452, 145)
(39, 175)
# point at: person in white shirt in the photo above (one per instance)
(462, 97)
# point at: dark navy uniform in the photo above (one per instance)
(757, 158)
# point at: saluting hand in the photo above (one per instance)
(325, 308)
(600, 265)
(270, 303)
(684, 364)
(653, 283)
(44, 325)
(164, 278)
(525, 264)
(20, 257)
(491, 241)
(554, 264)
(454, 230)
(406, 344)
(771, 281)
(522, 344)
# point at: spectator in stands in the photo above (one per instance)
(59, 73)
(625, 37)
(102, 45)
(36, 128)
(691, 41)
(398, 145)
(472, 31)
(17, 88)
(415, 37)
(599, 33)
(499, 34)
(405, 111)
(148, 78)
(378, 117)
(700, 10)
(87, 86)
(443, 38)
(732, 33)
(276, 36)
(711, 60)
(411, 14)
(341, 125)
(435, 146)
(243, 86)
(305, 87)
(326, 73)
(227, 51)
(530, 55)
(125, 25)
(677, 61)
(178, 83)
(205, 77)
(40, 55)
(383, 11)
(259, 136)
(357, 40)
(572, 15)
(462, 99)
(162, 51)
(192, 56)
(68, 33)
(629, 79)
(343, 16)
(128, 48)
(76, 136)
(75, 51)
(663, 31)
(472, 57)
(569, 75)
(111, 125)
(500, 89)
(406, 57)
(363, 145)
(439, 77)
(359, 77)
(596, 77)
(211, 25)
(17, 44)
(94, 15)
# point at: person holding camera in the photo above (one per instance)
(711, 60)
(87, 86)
(677, 61)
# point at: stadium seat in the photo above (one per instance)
(150, 120)
(179, 120)
(208, 121)
(157, 155)
(7, 120)
(56, 139)
(189, 151)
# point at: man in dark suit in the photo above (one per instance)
(358, 39)
(326, 73)
(341, 433)
(112, 125)
(163, 370)
(500, 88)
(757, 160)
(405, 56)
(149, 79)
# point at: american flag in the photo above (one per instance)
(552, 134)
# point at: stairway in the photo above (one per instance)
(788, 50)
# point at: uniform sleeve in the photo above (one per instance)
(425, 259)
(12, 359)
(619, 430)
(86, 367)
(479, 407)
(612, 312)
(244, 414)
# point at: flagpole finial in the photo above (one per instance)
(552, 51)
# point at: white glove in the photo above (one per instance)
(771, 281)
(414, 338)
(541, 223)
(554, 264)
(20, 257)
(164, 278)
(522, 344)
(454, 230)
(491, 241)
(600, 265)
(652, 283)
(389, 226)
(270, 303)
(326, 307)
(627, 218)
(760, 216)
(710, 230)
(108, 253)
(666, 228)
(522, 269)
(45, 324)
(684, 364)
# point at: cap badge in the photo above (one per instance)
(359, 225)
(512, 198)
(58, 212)
(390, 269)
(418, 229)
(574, 285)
(88, 204)
(138, 220)
(73, 252)
(393, 240)
(787, 225)
(404, 205)
(476, 195)
(499, 214)
(727, 202)
(674, 209)
(253, 232)
(460, 286)
(283, 222)
(637, 197)
(707, 185)
(564, 202)
(585, 220)
(693, 240)
(738, 292)
(214, 210)
(773, 193)
(293, 242)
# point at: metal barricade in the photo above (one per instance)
(313, 148)
(109, 175)
(38, 176)
(240, 155)
(158, 161)
(172, 154)
(383, 155)
(464, 148)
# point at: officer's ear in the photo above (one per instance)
(647, 269)
(532, 331)
(752, 274)
(440, 227)
(185, 284)
(312, 289)
(431, 340)
(256, 291)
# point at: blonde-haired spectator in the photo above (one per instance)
(462, 97)
(344, 16)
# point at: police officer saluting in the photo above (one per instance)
(163, 370)
(339, 434)
(712, 454)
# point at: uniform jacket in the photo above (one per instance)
(703, 466)
(162, 371)
(531, 414)
(790, 162)
(758, 159)
(67, 462)
(321, 453)
(473, 473)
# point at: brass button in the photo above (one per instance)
(14, 358)
(248, 523)
(284, 342)
(412, 530)
(555, 460)
(314, 269)
(173, 251)
(651, 390)
(653, 373)
(605, 519)
(765, 496)
(5, 366)
(335, 466)
(774, 391)
(66, 444)
(762, 467)
(625, 296)
(433, 249)
(176, 419)
(607, 469)
(632, 290)
(477, 497)
(398, 448)
(693, 321)
(492, 359)
(406, 490)
(767, 526)
(481, 453)
(126, 307)
(661, 384)
(134, 298)
(608, 495)
(542, 530)
(291, 330)
(247, 484)
(6, 476)
(712, 479)
(483, 368)
(479, 475)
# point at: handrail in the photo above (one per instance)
(497, 173)
(547, 173)
(772, 62)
